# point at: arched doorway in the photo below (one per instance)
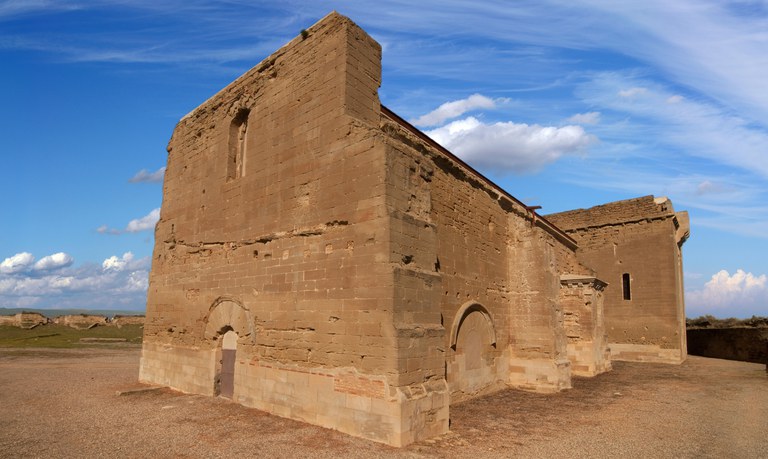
(227, 325)
(226, 374)
(472, 365)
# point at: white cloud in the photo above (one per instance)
(137, 281)
(144, 176)
(55, 261)
(144, 223)
(104, 229)
(739, 295)
(512, 147)
(632, 92)
(453, 109)
(117, 264)
(119, 281)
(585, 118)
(136, 225)
(17, 263)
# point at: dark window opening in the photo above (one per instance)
(237, 145)
(626, 284)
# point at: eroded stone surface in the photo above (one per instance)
(358, 275)
(636, 246)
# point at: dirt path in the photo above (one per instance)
(64, 404)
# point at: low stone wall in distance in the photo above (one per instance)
(118, 321)
(743, 344)
(79, 321)
(26, 320)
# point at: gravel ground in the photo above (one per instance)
(63, 403)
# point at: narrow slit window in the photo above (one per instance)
(237, 145)
(625, 282)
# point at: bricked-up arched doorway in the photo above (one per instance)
(471, 365)
(226, 374)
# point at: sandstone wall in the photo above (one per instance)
(474, 251)
(9, 320)
(319, 258)
(613, 213)
(288, 246)
(30, 319)
(641, 238)
(743, 344)
(581, 298)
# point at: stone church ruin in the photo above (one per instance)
(319, 258)
(636, 245)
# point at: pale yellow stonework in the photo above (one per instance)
(332, 264)
(636, 246)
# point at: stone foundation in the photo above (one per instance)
(645, 353)
(339, 398)
(540, 375)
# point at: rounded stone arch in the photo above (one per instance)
(225, 314)
(464, 311)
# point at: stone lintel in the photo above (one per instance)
(572, 280)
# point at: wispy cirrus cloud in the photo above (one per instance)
(711, 47)
(695, 128)
(13, 8)
(692, 149)
(585, 118)
(145, 32)
(732, 202)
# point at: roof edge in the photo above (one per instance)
(537, 219)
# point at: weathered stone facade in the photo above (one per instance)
(581, 298)
(636, 246)
(319, 258)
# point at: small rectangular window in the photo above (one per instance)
(625, 281)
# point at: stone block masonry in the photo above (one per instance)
(275, 226)
(636, 246)
(319, 258)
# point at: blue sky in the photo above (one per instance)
(565, 104)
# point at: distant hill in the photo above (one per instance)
(67, 312)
